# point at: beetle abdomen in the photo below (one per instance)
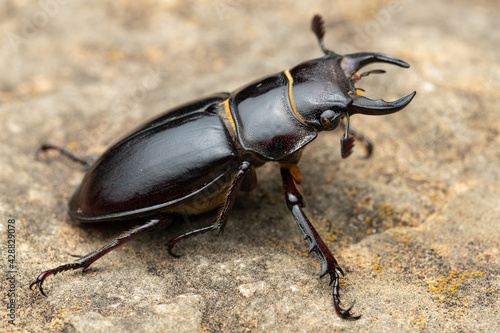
(155, 170)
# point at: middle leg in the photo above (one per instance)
(245, 168)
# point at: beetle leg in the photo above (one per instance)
(361, 138)
(86, 261)
(250, 180)
(329, 264)
(65, 152)
(238, 180)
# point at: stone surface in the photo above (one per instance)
(419, 218)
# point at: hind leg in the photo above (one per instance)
(87, 260)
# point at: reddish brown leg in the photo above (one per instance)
(329, 265)
(242, 175)
(86, 261)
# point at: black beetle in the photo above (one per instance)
(176, 163)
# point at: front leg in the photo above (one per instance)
(291, 177)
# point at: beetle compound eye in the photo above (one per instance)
(329, 120)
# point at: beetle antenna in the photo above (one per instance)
(346, 142)
(318, 27)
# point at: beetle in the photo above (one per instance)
(196, 157)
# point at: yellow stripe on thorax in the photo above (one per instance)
(290, 95)
(229, 115)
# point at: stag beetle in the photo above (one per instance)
(162, 168)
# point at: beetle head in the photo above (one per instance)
(339, 98)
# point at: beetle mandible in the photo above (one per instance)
(161, 169)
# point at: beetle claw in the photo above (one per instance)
(169, 249)
(38, 283)
(346, 314)
(41, 278)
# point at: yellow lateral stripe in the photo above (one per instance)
(294, 171)
(290, 84)
(229, 115)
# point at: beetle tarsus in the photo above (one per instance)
(41, 278)
(171, 243)
(169, 249)
(65, 152)
(346, 314)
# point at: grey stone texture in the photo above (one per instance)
(415, 227)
